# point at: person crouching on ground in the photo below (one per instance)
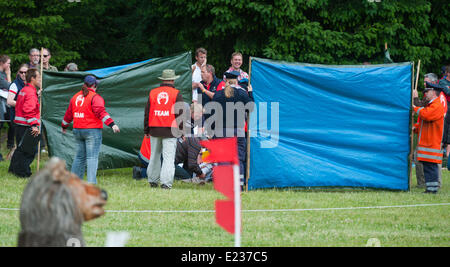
(87, 110)
(430, 130)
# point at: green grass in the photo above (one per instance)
(411, 226)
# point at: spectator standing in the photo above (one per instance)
(34, 57)
(430, 79)
(430, 137)
(13, 92)
(234, 121)
(5, 82)
(5, 71)
(200, 57)
(46, 66)
(196, 123)
(160, 124)
(209, 85)
(445, 84)
(46, 61)
(71, 67)
(443, 72)
(87, 110)
(27, 119)
(236, 63)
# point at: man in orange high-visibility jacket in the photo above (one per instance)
(430, 80)
(429, 148)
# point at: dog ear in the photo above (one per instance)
(57, 168)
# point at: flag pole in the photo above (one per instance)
(40, 108)
(237, 206)
(417, 77)
(411, 137)
(247, 169)
(412, 114)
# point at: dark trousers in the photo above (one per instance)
(431, 172)
(9, 115)
(21, 160)
(143, 167)
(180, 173)
(242, 152)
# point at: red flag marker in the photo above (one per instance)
(223, 181)
(225, 215)
(222, 150)
(226, 181)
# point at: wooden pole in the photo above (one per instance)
(412, 115)
(411, 137)
(417, 77)
(40, 109)
(247, 169)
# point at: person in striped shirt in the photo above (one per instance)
(236, 63)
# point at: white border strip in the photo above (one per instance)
(273, 210)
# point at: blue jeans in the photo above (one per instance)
(88, 149)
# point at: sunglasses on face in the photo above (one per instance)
(46, 55)
(22, 72)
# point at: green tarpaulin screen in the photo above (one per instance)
(125, 93)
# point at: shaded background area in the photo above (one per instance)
(102, 33)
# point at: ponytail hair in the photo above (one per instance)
(229, 90)
(85, 90)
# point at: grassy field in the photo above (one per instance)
(408, 226)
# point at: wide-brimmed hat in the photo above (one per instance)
(168, 75)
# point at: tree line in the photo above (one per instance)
(101, 33)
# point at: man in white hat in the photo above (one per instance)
(160, 124)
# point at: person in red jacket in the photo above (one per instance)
(27, 119)
(87, 110)
(430, 130)
(140, 172)
(161, 125)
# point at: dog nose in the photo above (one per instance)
(104, 194)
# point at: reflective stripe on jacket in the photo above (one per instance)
(27, 107)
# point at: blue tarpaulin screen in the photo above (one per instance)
(101, 73)
(338, 126)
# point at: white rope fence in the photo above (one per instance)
(266, 210)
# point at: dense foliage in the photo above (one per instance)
(100, 33)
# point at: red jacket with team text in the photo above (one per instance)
(27, 107)
(87, 112)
